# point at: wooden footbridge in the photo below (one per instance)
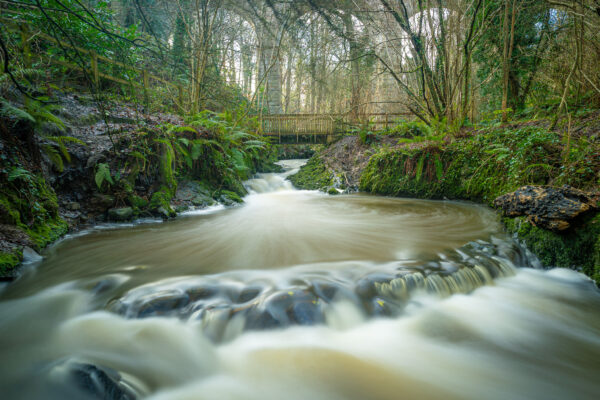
(321, 128)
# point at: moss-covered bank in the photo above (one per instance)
(577, 248)
(482, 166)
(314, 175)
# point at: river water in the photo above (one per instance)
(300, 295)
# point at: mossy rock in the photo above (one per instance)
(203, 201)
(9, 260)
(577, 248)
(270, 167)
(8, 214)
(314, 175)
(120, 214)
(47, 232)
(167, 168)
(229, 198)
(137, 202)
(161, 202)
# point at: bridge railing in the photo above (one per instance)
(324, 124)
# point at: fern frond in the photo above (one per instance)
(103, 174)
(54, 157)
(18, 113)
(21, 174)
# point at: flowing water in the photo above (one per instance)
(300, 295)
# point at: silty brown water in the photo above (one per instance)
(297, 294)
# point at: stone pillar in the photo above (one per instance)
(269, 64)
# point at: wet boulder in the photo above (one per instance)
(381, 307)
(101, 202)
(120, 214)
(167, 302)
(366, 287)
(281, 309)
(306, 312)
(555, 209)
(202, 201)
(100, 383)
(71, 379)
(202, 292)
(249, 293)
(193, 193)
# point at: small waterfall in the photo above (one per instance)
(272, 182)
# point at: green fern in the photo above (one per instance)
(103, 174)
(61, 140)
(11, 111)
(181, 129)
(20, 174)
(54, 157)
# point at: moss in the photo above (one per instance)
(47, 232)
(234, 184)
(167, 168)
(480, 167)
(313, 175)
(229, 198)
(577, 248)
(162, 199)
(137, 202)
(9, 260)
(8, 214)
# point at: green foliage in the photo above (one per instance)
(366, 133)
(20, 173)
(29, 203)
(411, 129)
(482, 167)
(9, 260)
(103, 175)
(8, 110)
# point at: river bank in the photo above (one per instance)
(81, 163)
(478, 165)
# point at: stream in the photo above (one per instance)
(300, 295)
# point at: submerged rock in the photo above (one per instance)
(73, 379)
(546, 207)
(159, 303)
(281, 309)
(100, 383)
(30, 255)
